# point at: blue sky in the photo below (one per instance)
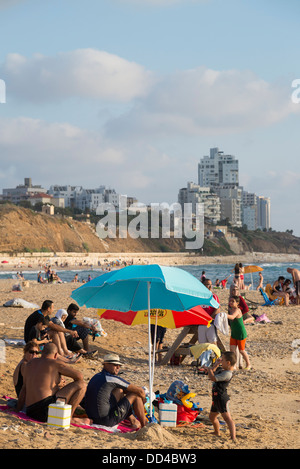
(132, 93)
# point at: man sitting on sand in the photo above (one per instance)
(42, 384)
(80, 327)
(110, 399)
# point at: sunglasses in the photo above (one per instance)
(33, 352)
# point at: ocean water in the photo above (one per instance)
(212, 271)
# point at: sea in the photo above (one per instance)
(271, 271)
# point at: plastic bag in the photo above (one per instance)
(185, 414)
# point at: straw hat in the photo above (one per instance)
(112, 358)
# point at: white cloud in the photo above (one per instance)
(54, 150)
(65, 154)
(206, 102)
(87, 73)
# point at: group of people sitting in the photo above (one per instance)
(287, 289)
(39, 378)
(63, 329)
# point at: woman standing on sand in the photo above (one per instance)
(237, 276)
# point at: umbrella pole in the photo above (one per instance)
(149, 350)
(154, 347)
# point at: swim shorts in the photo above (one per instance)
(118, 412)
(39, 410)
(219, 404)
(297, 287)
(241, 344)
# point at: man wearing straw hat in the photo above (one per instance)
(110, 399)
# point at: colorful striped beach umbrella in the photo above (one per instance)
(162, 317)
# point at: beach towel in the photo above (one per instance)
(197, 350)
(221, 323)
(123, 427)
(18, 342)
(19, 303)
(262, 318)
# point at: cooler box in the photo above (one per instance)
(59, 415)
(168, 414)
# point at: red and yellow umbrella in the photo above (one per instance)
(163, 317)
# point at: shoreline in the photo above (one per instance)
(89, 260)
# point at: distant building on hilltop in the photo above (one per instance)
(256, 211)
(219, 189)
(217, 170)
(22, 192)
(63, 196)
(91, 199)
(193, 194)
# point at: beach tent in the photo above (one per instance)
(140, 287)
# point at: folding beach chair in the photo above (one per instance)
(268, 302)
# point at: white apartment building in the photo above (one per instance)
(220, 173)
(78, 197)
(231, 204)
(68, 193)
(256, 211)
(194, 194)
(218, 169)
(264, 212)
(249, 217)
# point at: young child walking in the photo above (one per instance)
(238, 331)
(221, 377)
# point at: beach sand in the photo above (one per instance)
(265, 401)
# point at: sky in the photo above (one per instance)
(131, 94)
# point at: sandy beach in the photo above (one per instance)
(265, 401)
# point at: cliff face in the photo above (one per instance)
(23, 230)
(274, 241)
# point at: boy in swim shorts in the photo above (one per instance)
(221, 377)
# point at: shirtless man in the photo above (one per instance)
(42, 379)
(296, 279)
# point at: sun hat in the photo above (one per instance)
(112, 358)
